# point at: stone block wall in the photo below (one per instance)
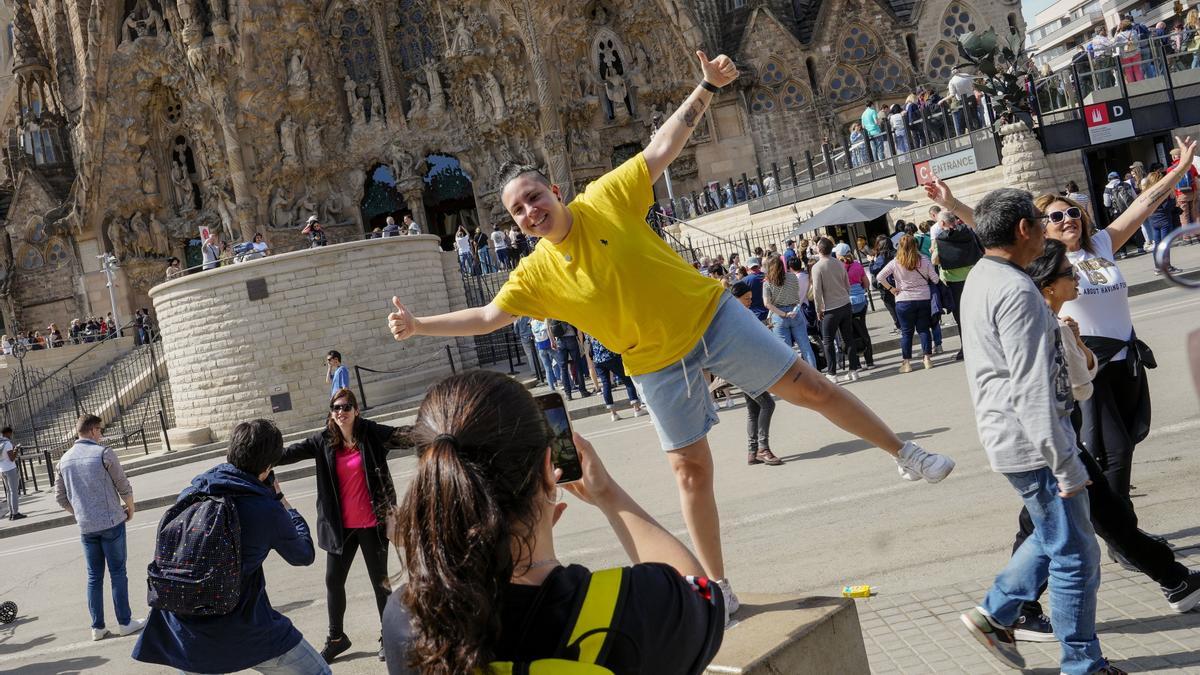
(226, 353)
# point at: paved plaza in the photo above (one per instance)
(836, 513)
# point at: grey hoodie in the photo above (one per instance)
(1017, 374)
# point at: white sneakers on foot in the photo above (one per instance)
(927, 361)
(132, 627)
(831, 378)
(615, 417)
(731, 599)
(914, 463)
(99, 634)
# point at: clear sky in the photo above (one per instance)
(1030, 8)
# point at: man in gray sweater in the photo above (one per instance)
(92, 486)
(1017, 375)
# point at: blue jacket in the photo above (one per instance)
(253, 632)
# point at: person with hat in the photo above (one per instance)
(755, 281)
(831, 291)
(174, 270)
(314, 232)
(859, 286)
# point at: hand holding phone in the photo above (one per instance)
(563, 453)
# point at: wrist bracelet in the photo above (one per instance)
(709, 86)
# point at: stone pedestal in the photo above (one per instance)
(794, 635)
(1025, 165)
(250, 340)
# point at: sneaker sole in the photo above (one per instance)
(988, 643)
(1022, 635)
(1187, 604)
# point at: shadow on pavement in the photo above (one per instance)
(299, 604)
(1169, 621)
(857, 445)
(7, 646)
(71, 666)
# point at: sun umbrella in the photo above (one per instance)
(849, 210)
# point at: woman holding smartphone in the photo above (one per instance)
(484, 581)
(355, 497)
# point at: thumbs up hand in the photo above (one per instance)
(401, 322)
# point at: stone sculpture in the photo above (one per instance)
(287, 141)
(616, 91)
(354, 103)
(314, 152)
(147, 174)
(418, 101)
(499, 110)
(298, 81)
(158, 235)
(462, 42)
(376, 104)
(437, 95)
(182, 186)
(116, 238)
(281, 208)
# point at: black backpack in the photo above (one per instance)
(197, 567)
(1122, 198)
(558, 329)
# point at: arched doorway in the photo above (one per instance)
(449, 198)
(381, 199)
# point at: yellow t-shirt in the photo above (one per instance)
(615, 279)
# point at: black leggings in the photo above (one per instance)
(838, 320)
(337, 568)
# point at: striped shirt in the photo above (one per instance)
(786, 295)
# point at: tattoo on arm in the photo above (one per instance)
(1156, 192)
(691, 114)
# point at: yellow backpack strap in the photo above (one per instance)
(602, 601)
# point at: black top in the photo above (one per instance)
(667, 625)
(374, 441)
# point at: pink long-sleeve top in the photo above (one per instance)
(913, 284)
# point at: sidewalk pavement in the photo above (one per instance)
(921, 633)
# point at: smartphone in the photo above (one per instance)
(563, 453)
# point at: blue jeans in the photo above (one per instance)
(913, 314)
(466, 262)
(878, 147)
(485, 259)
(794, 331)
(547, 358)
(568, 350)
(303, 659)
(100, 548)
(902, 140)
(1063, 551)
(614, 369)
(1161, 232)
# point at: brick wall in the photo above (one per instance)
(224, 351)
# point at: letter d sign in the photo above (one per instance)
(1118, 111)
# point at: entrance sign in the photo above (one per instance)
(1108, 121)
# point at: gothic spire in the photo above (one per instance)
(26, 43)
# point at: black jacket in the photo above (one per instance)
(374, 441)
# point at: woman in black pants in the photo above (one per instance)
(355, 496)
(884, 252)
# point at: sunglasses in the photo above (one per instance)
(341, 407)
(1071, 212)
(1068, 273)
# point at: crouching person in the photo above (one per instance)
(227, 624)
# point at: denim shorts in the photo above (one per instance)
(737, 347)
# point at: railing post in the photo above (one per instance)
(74, 394)
(450, 358)
(362, 393)
(33, 475)
(162, 423)
(808, 165)
(777, 176)
(827, 153)
(145, 446)
(49, 469)
(792, 167)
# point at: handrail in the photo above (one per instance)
(104, 339)
(1162, 256)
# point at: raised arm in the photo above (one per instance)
(1128, 222)
(473, 321)
(939, 193)
(675, 132)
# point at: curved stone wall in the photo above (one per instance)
(228, 353)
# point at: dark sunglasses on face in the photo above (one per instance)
(1068, 273)
(1071, 212)
(341, 407)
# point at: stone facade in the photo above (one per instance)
(227, 353)
(149, 119)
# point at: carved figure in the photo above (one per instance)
(298, 82)
(143, 243)
(304, 206)
(437, 95)
(616, 91)
(281, 209)
(477, 104)
(497, 95)
(117, 238)
(404, 166)
(158, 234)
(332, 209)
(221, 201)
(143, 21)
(417, 101)
(353, 103)
(148, 174)
(583, 145)
(587, 80)
(187, 12)
(287, 141)
(376, 104)
(462, 42)
(182, 186)
(312, 143)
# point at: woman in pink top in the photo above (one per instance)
(912, 274)
(355, 495)
(859, 287)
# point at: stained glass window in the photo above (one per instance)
(413, 37)
(957, 20)
(942, 59)
(772, 74)
(761, 101)
(793, 95)
(858, 45)
(29, 258)
(357, 46)
(56, 253)
(887, 74)
(844, 85)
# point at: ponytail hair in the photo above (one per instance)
(468, 515)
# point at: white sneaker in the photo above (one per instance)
(831, 378)
(99, 634)
(132, 627)
(639, 411)
(615, 417)
(854, 375)
(731, 600)
(915, 464)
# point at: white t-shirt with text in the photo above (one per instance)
(1102, 308)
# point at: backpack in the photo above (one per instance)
(1122, 198)
(558, 329)
(590, 630)
(197, 566)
